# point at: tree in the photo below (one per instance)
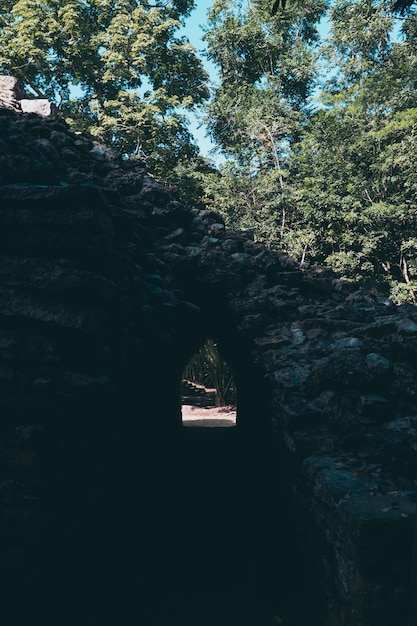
(267, 69)
(335, 184)
(115, 68)
(208, 368)
(355, 166)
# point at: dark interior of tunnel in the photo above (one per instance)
(154, 524)
(192, 530)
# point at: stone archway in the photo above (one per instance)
(238, 547)
(107, 283)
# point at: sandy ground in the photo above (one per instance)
(223, 416)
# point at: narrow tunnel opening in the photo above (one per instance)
(231, 536)
(208, 389)
(198, 520)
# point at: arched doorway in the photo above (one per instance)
(208, 389)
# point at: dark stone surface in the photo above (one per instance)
(107, 286)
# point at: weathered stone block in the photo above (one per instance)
(42, 107)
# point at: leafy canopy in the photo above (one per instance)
(267, 67)
(115, 68)
(331, 180)
(355, 165)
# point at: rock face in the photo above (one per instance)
(108, 285)
(10, 92)
(13, 96)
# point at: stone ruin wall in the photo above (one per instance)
(108, 285)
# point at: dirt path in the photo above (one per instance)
(223, 416)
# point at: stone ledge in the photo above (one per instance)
(14, 97)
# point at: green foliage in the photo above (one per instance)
(189, 177)
(354, 166)
(132, 76)
(337, 184)
(267, 67)
(209, 369)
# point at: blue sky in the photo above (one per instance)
(193, 30)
